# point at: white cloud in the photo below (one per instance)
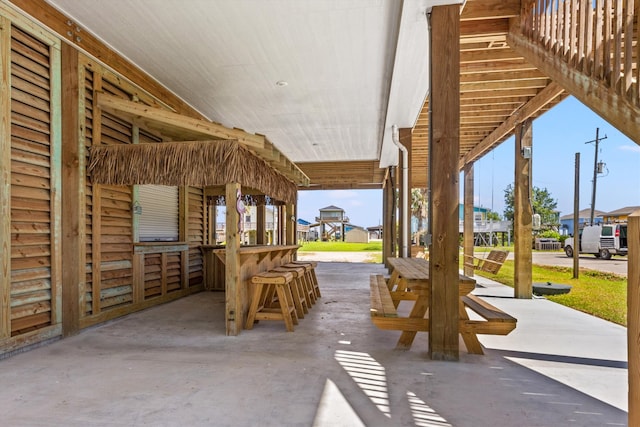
(633, 148)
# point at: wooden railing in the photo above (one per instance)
(599, 38)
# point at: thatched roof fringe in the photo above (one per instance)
(193, 163)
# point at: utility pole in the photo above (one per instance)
(595, 173)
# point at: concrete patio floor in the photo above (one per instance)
(172, 366)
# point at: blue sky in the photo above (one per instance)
(557, 136)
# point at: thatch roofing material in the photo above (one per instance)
(192, 163)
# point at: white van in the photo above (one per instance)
(602, 240)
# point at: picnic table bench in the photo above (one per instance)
(490, 264)
(409, 281)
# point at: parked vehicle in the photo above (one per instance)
(602, 240)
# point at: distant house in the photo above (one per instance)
(302, 230)
(584, 217)
(375, 232)
(620, 214)
(332, 222)
(354, 234)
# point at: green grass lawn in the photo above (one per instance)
(601, 294)
(375, 246)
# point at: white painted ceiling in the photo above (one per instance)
(353, 68)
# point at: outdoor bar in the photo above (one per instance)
(215, 165)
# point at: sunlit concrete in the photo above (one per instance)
(173, 365)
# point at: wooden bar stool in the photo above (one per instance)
(312, 275)
(262, 308)
(297, 288)
(306, 289)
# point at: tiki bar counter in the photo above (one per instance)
(212, 167)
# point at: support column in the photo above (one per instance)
(291, 224)
(469, 220)
(444, 150)
(260, 224)
(633, 318)
(233, 308)
(393, 210)
(183, 230)
(281, 224)
(523, 212)
(386, 224)
(5, 181)
(73, 235)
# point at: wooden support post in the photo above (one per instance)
(233, 307)
(523, 212)
(386, 238)
(393, 210)
(5, 180)
(137, 261)
(291, 224)
(444, 150)
(260, 224)
(633, 317)
(469, 219)
(281, 224)
(183, 230)
(402, 203)
(96, 206)
(73, 229)
(55, 180)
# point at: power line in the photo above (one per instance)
(595, 172)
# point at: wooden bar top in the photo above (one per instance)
(252, 249)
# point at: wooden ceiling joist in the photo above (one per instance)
(545, 96)
(363, 174)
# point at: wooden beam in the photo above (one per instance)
(96, 207)
(290, 221)
(260, 224)
(73, 207)
(356, 174)
(523, 212)
(484, 27)
(481, 9)
(183, 232)
(547, 95)
(633, 316)
(468, 237)
(595, 94)
(5, 179)
(495, 85)
(168, 122)
(233, 287)
(445, 129)
(488, 55)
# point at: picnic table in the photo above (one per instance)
(409, 281)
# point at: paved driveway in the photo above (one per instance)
(616, 264)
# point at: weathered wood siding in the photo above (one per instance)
(33, 303)
(196, 234)
(116, 273)
(113, 274)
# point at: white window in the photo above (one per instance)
(159, 218)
